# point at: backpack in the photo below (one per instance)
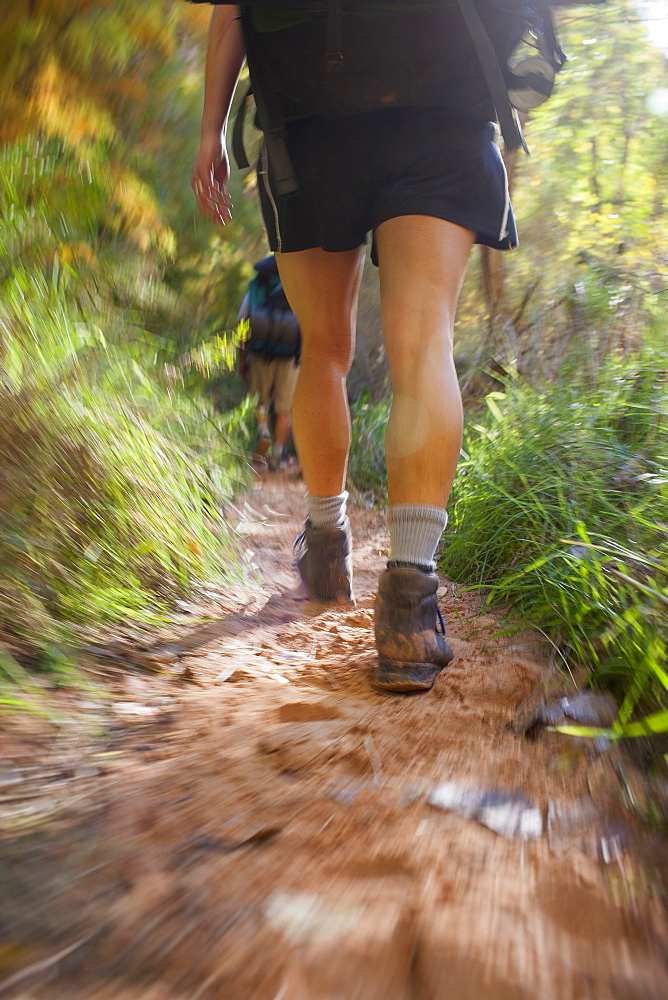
(274, 330)
(496, 29)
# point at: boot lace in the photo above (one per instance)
(440, 624)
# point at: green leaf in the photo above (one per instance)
(660, 672)
(494, 407)
(589, 732)
(655, 723)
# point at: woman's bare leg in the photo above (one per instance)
(322, 291)
(422, 265)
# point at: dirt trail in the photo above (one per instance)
(261, 831)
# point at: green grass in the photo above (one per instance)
(112, 487)
(560, 516)
(367, 476)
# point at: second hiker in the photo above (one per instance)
(270, 361)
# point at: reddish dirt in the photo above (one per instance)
(262, 831)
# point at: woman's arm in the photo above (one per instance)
(224, 61)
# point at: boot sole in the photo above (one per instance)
(335, 602)
(396, 675)
(342, 597)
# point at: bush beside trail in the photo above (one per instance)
(114, 468)
(560, 514)
(111, 496)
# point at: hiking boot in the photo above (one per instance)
(411, 648)
(278, 461)
(324, 561)
(263, 441)
(259, 464)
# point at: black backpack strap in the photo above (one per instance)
(531, 81)
(238, 148)
(275, 142)
(279, 158)
(508, 121)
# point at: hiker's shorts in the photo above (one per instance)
(274, 380)
(356, 172)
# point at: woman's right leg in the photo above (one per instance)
(322, 291)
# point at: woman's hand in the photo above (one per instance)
(209, 179)
(224, 60)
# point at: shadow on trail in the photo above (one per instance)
(280, 609)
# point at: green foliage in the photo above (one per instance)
(111, 486)
(117, 306)
(239, 427)
(114, 469)
(595, 182)
(590, 203)
(367, 475)
(560, 514)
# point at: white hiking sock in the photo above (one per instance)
(326, 512)
(415, 531)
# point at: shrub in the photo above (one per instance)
(113, 473)
(111, 484)
(560, 514)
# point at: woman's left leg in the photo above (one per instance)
(422, 264)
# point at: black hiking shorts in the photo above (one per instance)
(356, 172)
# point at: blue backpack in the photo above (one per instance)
(274, 330)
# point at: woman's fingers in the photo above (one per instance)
(213, 199)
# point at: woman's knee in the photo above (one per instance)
(330, 340)
(411, 351)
